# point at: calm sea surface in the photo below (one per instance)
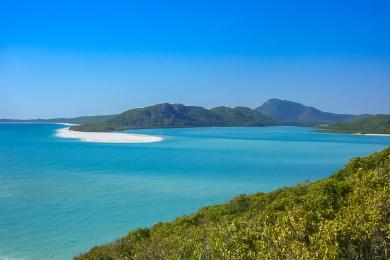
(59, 197)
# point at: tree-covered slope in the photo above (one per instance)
(289, 112)
(177, 115)
(378, 124)
(345, 216)
(241, 116)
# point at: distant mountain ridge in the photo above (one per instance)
(272, 112)
(177, 115)
(289, 112)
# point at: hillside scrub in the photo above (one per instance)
(345, 216)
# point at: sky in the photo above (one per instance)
(71, 58)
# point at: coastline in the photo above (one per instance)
(67, 124)
(101, 137)
(332, 131)
(372, 134)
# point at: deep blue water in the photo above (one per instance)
(59, 197)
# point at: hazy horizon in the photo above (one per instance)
(162, 103)
(68, 59)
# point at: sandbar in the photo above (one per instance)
(103, 137)
(377, 134)
(372, 134)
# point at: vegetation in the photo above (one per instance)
(378, 124)
(272, 112)
(241, 116)
(177, 115)
(345, 216)
(289, 112)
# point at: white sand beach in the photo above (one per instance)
(377, 134)
(68, 124)
(101, 137)
(372, 134)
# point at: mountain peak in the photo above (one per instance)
(290, 112)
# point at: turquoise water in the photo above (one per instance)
(59, 197)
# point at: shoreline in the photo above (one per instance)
(371, 134)
(140, 138)
(67, 124)
(331, 131)
(101, 137)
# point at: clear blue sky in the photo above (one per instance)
(70, 58)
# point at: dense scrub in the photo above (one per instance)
(346, 215)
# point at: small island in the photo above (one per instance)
(167, 115)
(274, 112)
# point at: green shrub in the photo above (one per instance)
(345, 216)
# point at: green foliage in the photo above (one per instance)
(289, 112)
(378, 124)
(345, 216)
(240, 116)
(178, 115)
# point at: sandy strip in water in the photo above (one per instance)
(100, 137)
(373, 134)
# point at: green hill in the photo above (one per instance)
(289, 112)
(240, 116)
(345, 216)
(378, 124)
(274, 111)
(177, 115)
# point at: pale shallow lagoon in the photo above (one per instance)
(59, 197)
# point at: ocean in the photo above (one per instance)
(60, 197)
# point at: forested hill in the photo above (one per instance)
(378, 124)
(289, 112)
(177, 115)
(345, 216)
(273, 112)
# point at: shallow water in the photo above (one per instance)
(59, 197)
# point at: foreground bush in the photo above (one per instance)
(345, 216)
